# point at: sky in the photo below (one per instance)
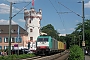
(62, 14)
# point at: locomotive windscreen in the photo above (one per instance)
(42, 39)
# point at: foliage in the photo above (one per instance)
(49, 29)
(79, 31)
(76, 53)
(16, 57)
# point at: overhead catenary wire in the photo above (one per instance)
(17, 2)
(62, 20)
(63, 12)
(70, 9)
(21, 2)
(58, 13)
(18, 7)
(21, 10)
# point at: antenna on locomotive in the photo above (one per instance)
(33, 3)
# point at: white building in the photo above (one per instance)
(32, 25)
(62, 34)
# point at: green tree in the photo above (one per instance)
(76, 53)
(49, 29)
(79, 31)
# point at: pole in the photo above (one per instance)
(10, 29)
(74, 39)
(83, 22)
(18, 39)
(83, 42)
(79, 39)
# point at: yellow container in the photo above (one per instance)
(60, 45)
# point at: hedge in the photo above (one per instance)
(76, 53)
(16, 57)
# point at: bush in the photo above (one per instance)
(16, 57)
(76, 53)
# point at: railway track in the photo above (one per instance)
(60, 56)
(32, 58)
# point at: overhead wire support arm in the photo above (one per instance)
(21, 10)
(57, 13)
(70, 10)
(63, 12)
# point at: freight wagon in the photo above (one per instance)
(46, 45)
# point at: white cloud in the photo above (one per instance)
(18, 0)
(61, 30)
(72, 29)
(69, 30)
(21, 20)
(77, 21)
(87, 5)
(87, 15)
(6, 22)
(5, 9)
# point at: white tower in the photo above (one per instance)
(32, 24)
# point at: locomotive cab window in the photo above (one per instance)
(45, 39)
(42, 39)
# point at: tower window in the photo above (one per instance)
(29, 21)
(31, 30)
(39, 22)
(31, 38)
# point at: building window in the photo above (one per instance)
(0, 30)
(31, 30)
(29, 21)
(31, 38)
(5, 47)
(0, 47)
(12, 31)
(6, 39)
(12, 47)
(0, 39)
(13, 40)
(18, 40)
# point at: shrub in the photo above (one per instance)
(16, 57)
(76, 53)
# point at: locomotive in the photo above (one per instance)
(46, 45)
